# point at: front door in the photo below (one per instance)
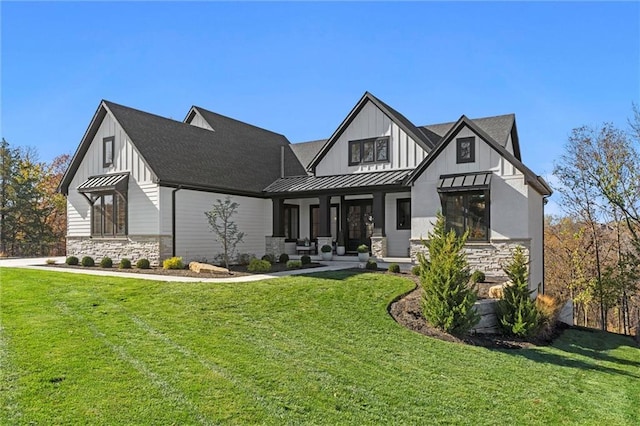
(359, 223)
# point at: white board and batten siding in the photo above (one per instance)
(143, 192)
(404, 152)
(397, 239)
(198, 121)
(194, 238)
(508, 193)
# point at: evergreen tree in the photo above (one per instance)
(448, 300)
(517, 312)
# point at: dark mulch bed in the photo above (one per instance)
(406, 311)
(235, 270)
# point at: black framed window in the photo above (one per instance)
(109, 215)
(465, 150)
(403, 213)
(291, 222)
(314, 221)
(467, 211)
(107, 151)
(372, 150)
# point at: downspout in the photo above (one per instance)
(545, 200)
(173, 220)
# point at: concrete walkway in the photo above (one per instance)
(39, 263)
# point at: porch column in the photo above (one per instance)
(278, 217)
(378, 239)
(378, 214)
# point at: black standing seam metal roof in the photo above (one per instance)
(104, 182)
(336, 182)
(464, 182)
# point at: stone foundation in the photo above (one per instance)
(489, 258)
(155, 248)
(379, 247)
(274, 245)
(324, 241)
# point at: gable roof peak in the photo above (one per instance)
(214, 115)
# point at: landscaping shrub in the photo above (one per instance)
(243, 258)
(51, 261)
(371, 265)
(478, 277)
(269, 258)
(294, 264)
(106, 262)
(363, 248)
(259, 266)
(125, 263)
(416, 270)
(173, 263)
(284, 258)
(305, 259)
(447, 301)
(548, 308)
(88, 261)
(394, 267)
(71, 260)
(143, 264)
(516, 311)
(326, 248)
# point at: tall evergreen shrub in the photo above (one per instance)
(517, 312)
(448, 300)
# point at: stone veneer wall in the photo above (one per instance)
(274, 245)
(379, 247)
(155, 248)
(489, 257)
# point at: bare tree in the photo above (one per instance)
(225, 229)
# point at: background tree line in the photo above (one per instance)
(592, 254)
(33, 218)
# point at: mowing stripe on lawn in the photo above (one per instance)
(8, 381)
(165, 388)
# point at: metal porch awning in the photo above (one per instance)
(96, 185)
(465, 182)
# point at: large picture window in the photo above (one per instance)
(109, 215)
(403, 213)
(291, 221)
(467, 211)
(373, 150)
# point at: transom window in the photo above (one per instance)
(109, 215)
(373, 150)
(403, 213)
(107, 151)
(467, 211)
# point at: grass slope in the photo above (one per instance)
(314, 349)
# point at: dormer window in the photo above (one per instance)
(107, 151)
(372, 150)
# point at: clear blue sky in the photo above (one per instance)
(298, 68)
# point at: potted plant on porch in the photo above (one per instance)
(326, 252)
(340, 248)
(363, 252)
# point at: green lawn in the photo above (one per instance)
(81, 349)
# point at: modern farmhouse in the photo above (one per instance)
(139, 184)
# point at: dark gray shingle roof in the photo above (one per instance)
(305, 151)
(498, 127)
(236, 156)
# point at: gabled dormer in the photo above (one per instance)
(373, 137)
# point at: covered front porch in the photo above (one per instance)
(343, 212)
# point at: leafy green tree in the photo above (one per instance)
(448, 299)
(224, 228)
(517, 312)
